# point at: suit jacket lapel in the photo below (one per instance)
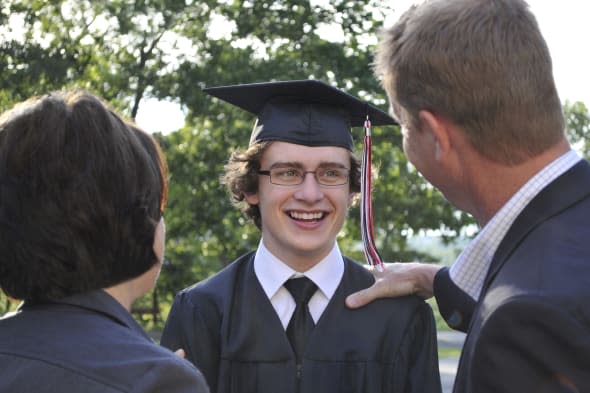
(563, 192)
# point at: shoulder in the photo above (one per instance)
(357, 274)
(550, 329)
(552, 258)
(543, 309)
(219, 286)
(123, 360)
(170, 373)
(404, 308)
(147, 367)
(51, 376)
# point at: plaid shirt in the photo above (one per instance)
(470, 269)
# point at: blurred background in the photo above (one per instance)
(151, 58)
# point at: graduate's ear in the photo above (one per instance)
(352, 198)
(252, 198)
(437, 127)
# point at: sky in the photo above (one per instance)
(564, 24)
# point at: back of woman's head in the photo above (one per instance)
(81, 193)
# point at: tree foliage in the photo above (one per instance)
(130, 50)
(578, 127)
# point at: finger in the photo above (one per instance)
(361, 298)
(382, 271)
(180, 352)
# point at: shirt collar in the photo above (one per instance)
(272, 272)
(470, 269)
(101, 302)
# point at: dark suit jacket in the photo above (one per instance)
(87, 343)
(229, 329)
(530, 329)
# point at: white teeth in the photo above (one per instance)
(306, 216)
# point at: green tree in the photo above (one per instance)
(578, 126)
(129, 50)
(6, 304)
(280, 40)
(122, 50)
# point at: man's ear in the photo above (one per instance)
(252, 198)
(437, 127)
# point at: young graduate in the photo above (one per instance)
(243, 327)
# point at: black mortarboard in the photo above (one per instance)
(305, 112)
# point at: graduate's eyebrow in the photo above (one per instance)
(299, 165)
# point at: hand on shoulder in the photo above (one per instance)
(397, 279)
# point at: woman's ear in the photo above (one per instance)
(160, 240)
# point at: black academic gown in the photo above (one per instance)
(230, 330)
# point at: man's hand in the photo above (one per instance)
(397, 279)
(180, 353)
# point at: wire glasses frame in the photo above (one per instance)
(329, 177)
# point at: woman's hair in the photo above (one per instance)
(241, 178)
(81, 193)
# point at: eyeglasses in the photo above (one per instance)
(290, 176)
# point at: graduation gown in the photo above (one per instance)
(230, 331)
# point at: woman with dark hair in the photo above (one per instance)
(81, 237)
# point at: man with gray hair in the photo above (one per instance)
(471, 83)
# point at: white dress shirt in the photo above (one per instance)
(272, 273)
(471, 267)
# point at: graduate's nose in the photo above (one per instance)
(309, 190)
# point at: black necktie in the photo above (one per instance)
(301, 323)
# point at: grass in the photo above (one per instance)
(449, 352)
(441, 325)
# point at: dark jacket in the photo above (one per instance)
(229, 329)
(87, 343)
(530, 329)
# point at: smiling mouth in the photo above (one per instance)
(301, 216)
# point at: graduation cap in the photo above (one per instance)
(305, 112)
